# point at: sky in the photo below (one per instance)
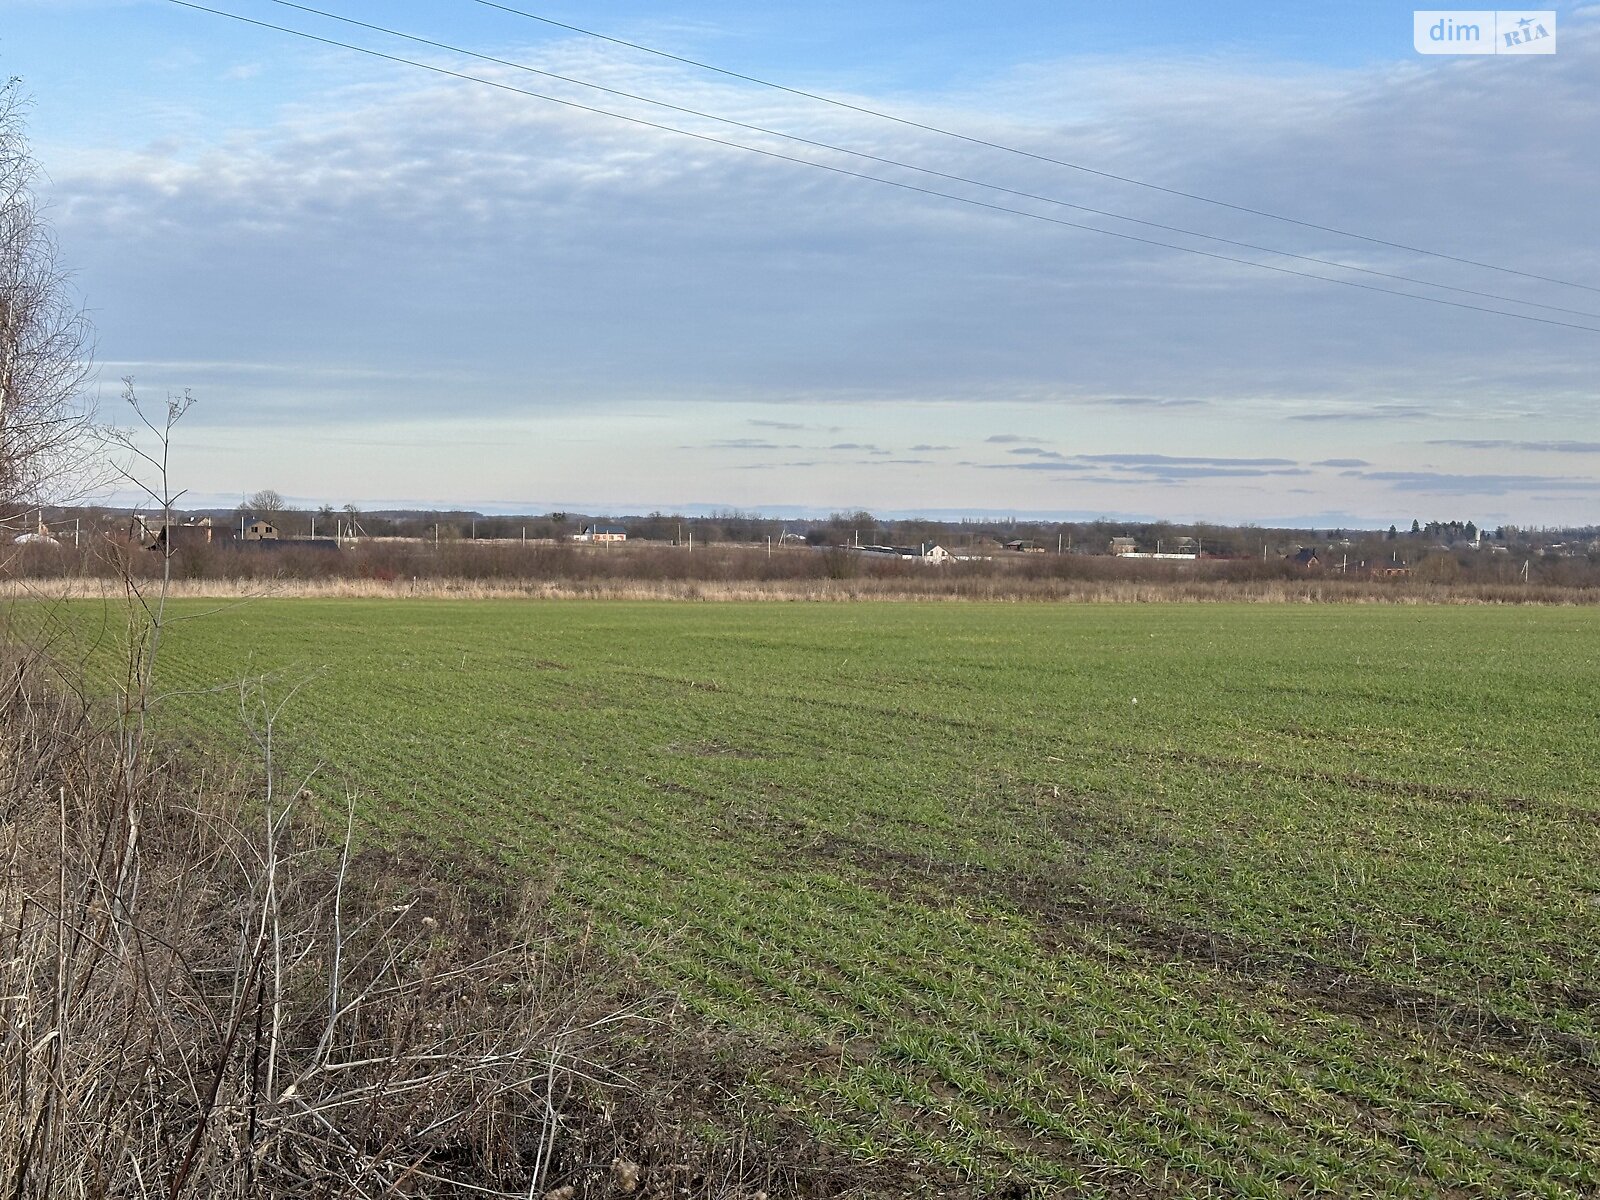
(391, 286)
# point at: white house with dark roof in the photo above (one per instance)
(927, 552)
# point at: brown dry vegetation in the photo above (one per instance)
(557, 572)
(475, 570)
(199, 996)
(927, 584)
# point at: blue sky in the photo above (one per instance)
(387, 286)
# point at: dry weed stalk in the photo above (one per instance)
(934, 589)
(186, 1007)
(228, 1028)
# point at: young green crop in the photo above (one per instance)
(1319, 912)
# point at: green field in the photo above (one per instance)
(1254, 900)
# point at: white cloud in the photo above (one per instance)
(405, 248)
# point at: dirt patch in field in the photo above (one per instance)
(688, 1127)
(796, 1069)
(715, 749)
(1069, 916)
(673, 788)
(669, 1111)
(1355, 781)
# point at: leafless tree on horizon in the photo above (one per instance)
(46, 341)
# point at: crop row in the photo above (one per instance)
(827, 828)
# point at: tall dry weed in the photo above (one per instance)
(257, 1009)
(926, 585)
(253, 1011)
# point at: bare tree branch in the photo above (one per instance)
(46, 342)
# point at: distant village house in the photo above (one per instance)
(927, 552)
(158, 534)
(1127, 547)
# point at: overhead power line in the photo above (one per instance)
(1043, 158)
(931, 172)
(843, 171)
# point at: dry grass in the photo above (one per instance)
(203, 1001)
(923, 587)
(202, 996)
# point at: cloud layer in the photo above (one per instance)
(466, 268)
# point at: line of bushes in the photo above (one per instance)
(487, 561)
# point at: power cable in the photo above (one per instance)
(945, 175)
(1044, 158)
(836, 170)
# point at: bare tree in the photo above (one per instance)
(268, 504)
(45, 338)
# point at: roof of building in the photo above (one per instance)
(925, 550)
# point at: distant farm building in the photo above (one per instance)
(41, 536)
(257, 529)
(1024, 546)
(160, 534)
(603, 533)
(1127, 547)
(1305, 558)
(927, 552)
